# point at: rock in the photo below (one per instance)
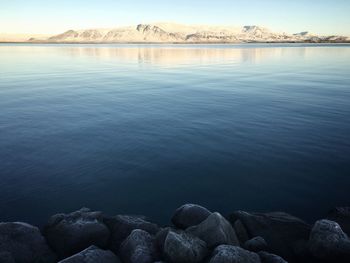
(121, 226)
(233, 254)
(92, 254)
(282, 232)
(341, 215)
(189, 215)
(23, 243)
(301, 249)
(241, 232)
(256, 244)
(161, 235)
(215, 230)
(71, 233)
(329, 243)
(270, 258)
(181, 247)
(6, 257)
(138, 247)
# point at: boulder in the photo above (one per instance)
(138, 247)
(241, 232)
(282, 232)
(71, 233)
(189, 215)
(233, 254)
(6, 257)
(181, 247)
(92, 254)
(270, 258)
(341, 215)
(256, 244)
(215, 230)
(23, 243)
(329, 243)
(160, 237)
(121, 226)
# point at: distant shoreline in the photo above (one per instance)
(172, 33)
(172, 43)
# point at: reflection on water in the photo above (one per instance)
(184, 55)
(173, 55)
(176, 55)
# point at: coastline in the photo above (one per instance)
(173, 43)
(194, 235)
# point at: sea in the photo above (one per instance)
(143, 129)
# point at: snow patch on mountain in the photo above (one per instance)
(177, 33)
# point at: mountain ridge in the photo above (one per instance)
(177, 33)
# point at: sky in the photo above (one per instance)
(323, 17)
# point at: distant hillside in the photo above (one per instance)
(20, 37)
(175, 33)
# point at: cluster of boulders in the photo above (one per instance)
(196, 235)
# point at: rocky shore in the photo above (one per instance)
(194, 235)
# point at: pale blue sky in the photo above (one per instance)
(52, 16)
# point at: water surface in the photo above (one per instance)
(142, 129)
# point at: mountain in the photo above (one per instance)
(20, 37)
(176, 33)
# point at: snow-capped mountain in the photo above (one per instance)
(175, 33)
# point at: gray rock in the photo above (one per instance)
(122, 225)
(23, 243)
(6, 257)
(329, 243)
(270, 258)
(256, 244)
(92, 254)
(71, 233)
(181, 247)
(233, 254)
(215, 230)
(282, 232)
(160, 237)
(241, 232)
(189, 215)
(341, 215)
(138, 247)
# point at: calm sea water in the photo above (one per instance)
(143, 129)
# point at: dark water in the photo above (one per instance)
(143, 129)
